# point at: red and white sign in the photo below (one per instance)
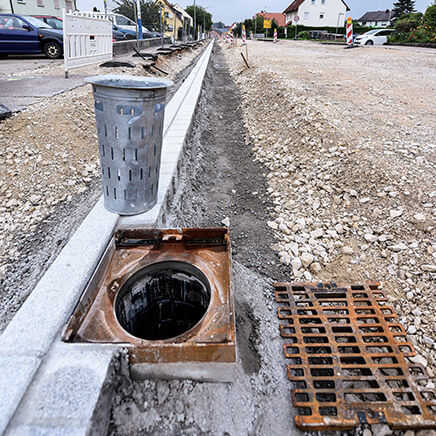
(296, 18)
(244, 36)
(275, 35)
(349, 32)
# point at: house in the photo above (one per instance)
(36, 7)
(376, 18)
(317, 13)
(174, 20)
(188, 21)
(279, 17)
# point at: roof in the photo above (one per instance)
(178, 8)
(376, 16)
(278, 16)
(297, 3)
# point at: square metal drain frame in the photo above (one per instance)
(167, 296)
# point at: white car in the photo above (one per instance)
(374, 37)
(124, 23)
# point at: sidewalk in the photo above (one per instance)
(19, 91)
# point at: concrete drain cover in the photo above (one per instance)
(349, 359)
(166, 295)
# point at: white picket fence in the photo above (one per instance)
(87, 39)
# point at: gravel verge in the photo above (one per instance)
(349, 140)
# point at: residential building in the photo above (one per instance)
(36, 7)
(376, 18)
(188, 21)
(279, 17)
(174, 20)
(317, 13)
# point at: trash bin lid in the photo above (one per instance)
(129, 82)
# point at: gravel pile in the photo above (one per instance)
(349, 205)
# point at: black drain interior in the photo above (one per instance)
(163, 300)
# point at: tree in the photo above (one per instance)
(430, 16)
(150, 12)
(402, 7)
(203, 17)
(408, 22)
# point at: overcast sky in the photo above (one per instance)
(229, 11)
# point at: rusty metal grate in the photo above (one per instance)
(348, 359)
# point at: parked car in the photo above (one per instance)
(117, 35)
(122, 22)
(54, 22)
(26, 34)
(374, 37)
(131, 34)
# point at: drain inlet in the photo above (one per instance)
(163, 300)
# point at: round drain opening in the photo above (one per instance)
(163, 300)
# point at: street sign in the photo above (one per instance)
(267, 24)
(296, 18)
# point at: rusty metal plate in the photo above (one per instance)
(211, 339)
(349, 359)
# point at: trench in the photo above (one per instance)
(220, 179)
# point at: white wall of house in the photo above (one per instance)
(36, 7)
(320, 13)
(89, 5)
(375, 23)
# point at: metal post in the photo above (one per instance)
(162, 24)
(255, 26)
(136, 24)
(296, 32)
(138, 11)
(105, 8)
(12, 6)
(337, 24)
(195, 21)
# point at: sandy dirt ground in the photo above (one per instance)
(325, 162)
(50, 176)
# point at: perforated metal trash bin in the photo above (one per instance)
(130, 113)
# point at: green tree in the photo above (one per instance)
(150, 13)
(402, 7)
(203, 17)
(430, 16)
(408, 22)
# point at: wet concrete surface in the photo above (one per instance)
(17, 93)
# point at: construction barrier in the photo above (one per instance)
(275, 35)
(244, 36)
(349, 31)
(251, 35)
(87, 39)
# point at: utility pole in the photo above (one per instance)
(162, 23)
(195, 20)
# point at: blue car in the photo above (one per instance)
(25, 34)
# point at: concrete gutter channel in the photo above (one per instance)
(51, 387)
